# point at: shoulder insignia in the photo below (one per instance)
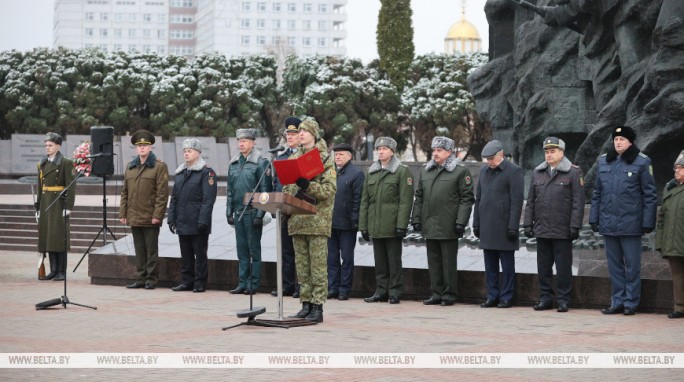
(409, 180)
(603, 155)
(581, 179)
(159, 160)
(574, 165)
(468, 180)
(211, 180)
(643, 155)
(650, 170)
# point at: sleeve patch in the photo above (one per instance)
(409, 181)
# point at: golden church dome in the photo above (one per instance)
(463, 30)
(462, 37)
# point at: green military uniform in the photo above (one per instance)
(385, 208)
(444, 199)
(144, 196)
(310, 233)
(53, 176)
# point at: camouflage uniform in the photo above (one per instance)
(310, 233)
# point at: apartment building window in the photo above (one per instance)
(161, 49)
(322, 42)
(291, 24)
(119, 17)
(117, 33)
(322, 25)
(103, 48)
(176, 34)
(89, 32)
(292, 7)
(131, 33)
(89, 16)
(104, 16)
(276, 7)
(322, 8)
(275, 40)
(132, 48)
(161, 33)
(306, 25)
(103, 32)
(147, 17)
(261, 40)
(117, 48)
(245, 23)
(261, 7)
(246, 6)
(246, 40)
(307, 7)
(181, 19)
(306, 41)
(291, 41)
(276, 24)
(182, 3)
(261, 23)
(147, 33)
(132, 17)
(161, 18)
(147, 48)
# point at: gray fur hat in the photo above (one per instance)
(680, 159)
(53, 137)
(387, 142)
(192, 143)
(246, 134)
(445, 143)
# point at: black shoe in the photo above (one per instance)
(199, 290)
(274, 293)
(250, 291)
(562, 307)
(238, 290)
(343, 297)
(394, 300)
(181, 288)
(613, 310)
(447, 303)
(333, 294)
(295, 294)
(432, 301)
(149, 286)
(375, 298)
(59, 277)
(49, 276)
(629, 311)
(505, 304)
(306, 309)
(676, 314)
(543, 305)
(316, 313)
(489, 304)
(135, 285)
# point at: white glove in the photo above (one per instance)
(66, 213)
(37, 216)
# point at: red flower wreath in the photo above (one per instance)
(81, 160)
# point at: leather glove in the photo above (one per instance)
(529, 232)
(460, 230)
(646, 230)
(574, 233)
(66, 213)
(201, 227)
(417, 227)
(37, 206)
(172, 228)
(476, 231)
(355, 227)
(512, 234)
(365, 236)
(231, 220)
(303, 183)
(594, 227)
(257, 222)
(37, 216)
(400, 232)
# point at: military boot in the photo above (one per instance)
(53, 267)
(316, 314)
(306, 308)
(61, 266)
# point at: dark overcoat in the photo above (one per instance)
(52, 178)
(193, 197)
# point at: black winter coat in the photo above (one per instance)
(348, 197)
(192, 199)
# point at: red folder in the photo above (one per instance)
(306, 166)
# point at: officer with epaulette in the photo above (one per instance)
(55, 171)
(554, 212)
(386, 204)
(144, 196)
(444, 200)
(623, 208)
(190, 211)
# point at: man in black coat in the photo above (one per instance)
(498, 205)
(554, 212)
(190, 210)
(345, 223)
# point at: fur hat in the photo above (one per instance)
(554, 143)
(142, 137)
(492, 148)
(445, 143)
(310, 125)
(387, 142)
(680, 159)
(53, 137)
(246, 134)
(292, 124)
(192, 143)
(624, 131)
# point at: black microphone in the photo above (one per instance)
(275, 150)
(95, 155)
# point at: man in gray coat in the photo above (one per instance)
(554, 212)
(498, 204)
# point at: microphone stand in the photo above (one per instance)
(64, 300)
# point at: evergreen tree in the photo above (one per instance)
(395, 39)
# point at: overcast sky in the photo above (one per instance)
(26, 24)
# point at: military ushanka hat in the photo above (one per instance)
(246, 134)
(444, 143)
(54, 138)
(387, 142)
(192, 143)
(142, 137)
(680, 159)
(624, 131)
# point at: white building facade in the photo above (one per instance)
(191, 27)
